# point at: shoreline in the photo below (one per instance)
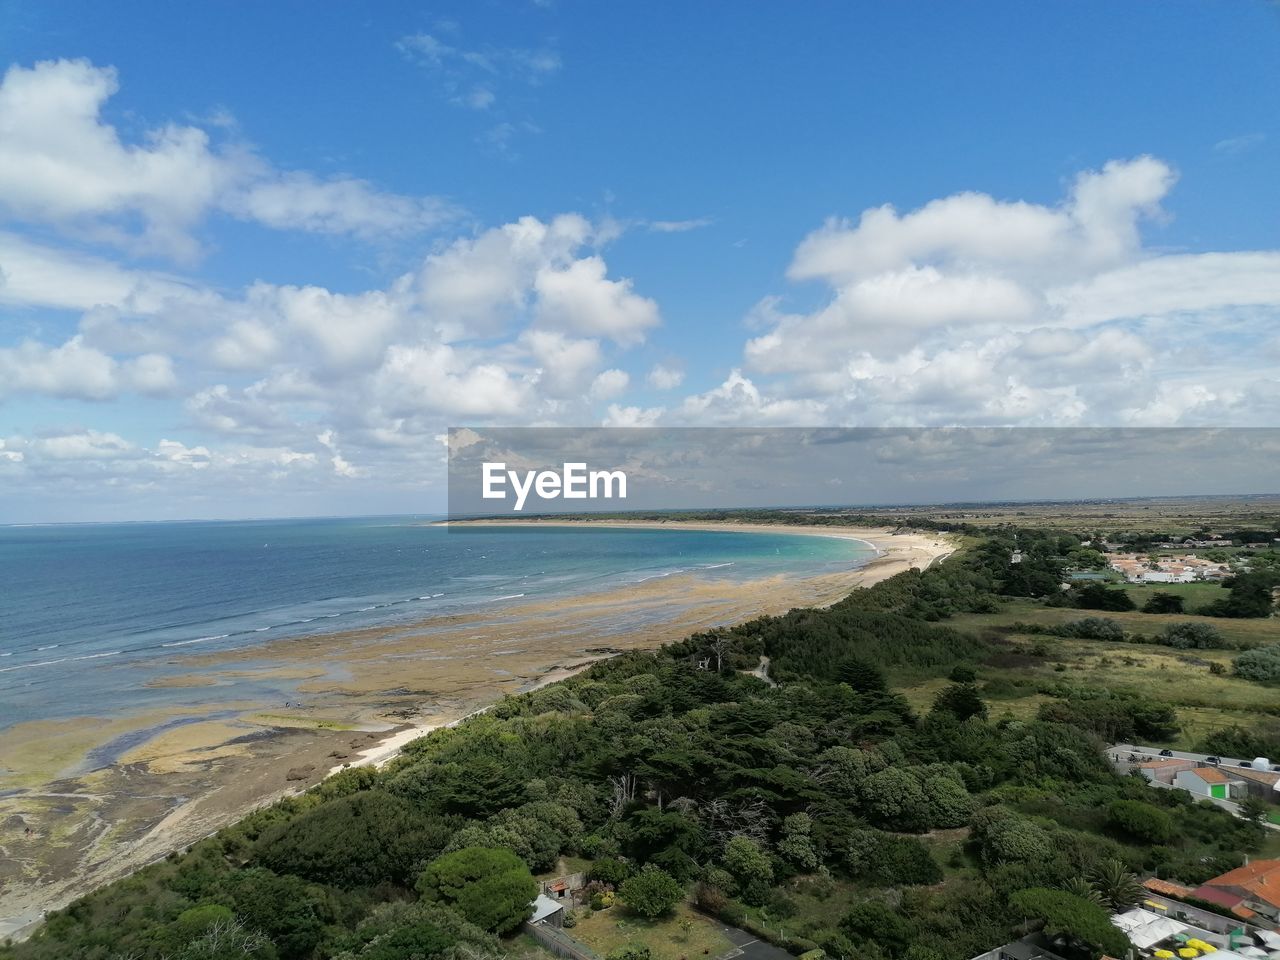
(399, 683)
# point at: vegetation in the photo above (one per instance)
(923, 782)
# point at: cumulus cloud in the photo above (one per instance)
(74, 370)
(977, 310)
(663, 377)
(61, 164)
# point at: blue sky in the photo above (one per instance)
(257, 258)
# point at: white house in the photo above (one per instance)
(1208, 782)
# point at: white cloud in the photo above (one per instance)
(61, 164)
(85, 445)
(974, 310)
(620, 416)
(663, 377)
(1094, 228)
(609, 384)
(581, 299)
(739, 402)
(679, 226)
(74, 370)
(301, 201)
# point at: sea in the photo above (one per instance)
(91, 614)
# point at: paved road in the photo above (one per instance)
(1124, 749)
(752, 947)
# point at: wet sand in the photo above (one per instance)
(361, 696)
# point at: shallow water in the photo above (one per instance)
(89, 614)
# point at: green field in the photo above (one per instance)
(1194, 595)
(1243, 633)
(1016, 681)
(666, 937)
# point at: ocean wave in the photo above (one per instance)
(29, 666)
(183, 643)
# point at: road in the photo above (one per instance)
(1124, 749)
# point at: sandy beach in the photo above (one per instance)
(362, 695)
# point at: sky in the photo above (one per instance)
(256, 259)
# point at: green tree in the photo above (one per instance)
(651, 892)
(750, 868)
(796, 845)
(962, 700)
(1163, 603)
(1065, 914)
(491, 887)
(1116, 886)
(1142, 821)
(355, 841)
(949, 803)
(1254, 809)
(895, 800)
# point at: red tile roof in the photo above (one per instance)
(1166, 888)
(1222, 898)
(1259, 881)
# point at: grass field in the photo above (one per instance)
(1194, 595)
(666, 937)
(1245, 633)
(1015, 682)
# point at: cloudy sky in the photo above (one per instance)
(256, 259)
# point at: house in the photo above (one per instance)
(547, 911)
(1164, 771)
(1209, 782)
(566, 887)
(1257, 885)
(1167, 888)
(1263, 784)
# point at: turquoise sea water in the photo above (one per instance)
(90, 613)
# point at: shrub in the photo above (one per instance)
(651, 892)
(1261, 664)
(1141, 821)
(1163, 603)
(1192, 636)
(1092, 628)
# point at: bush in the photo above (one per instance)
(651, 892)
(1141, 821)
(1192, 636)
(1262, 664)
(629, 951)
(1092, 628)
(1163, 603)
(610, 871)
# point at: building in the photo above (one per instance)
(1209, 782)
(1257, 885)
(1164, 771)
(548, 911)
(1263, 784)
(565, 888)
